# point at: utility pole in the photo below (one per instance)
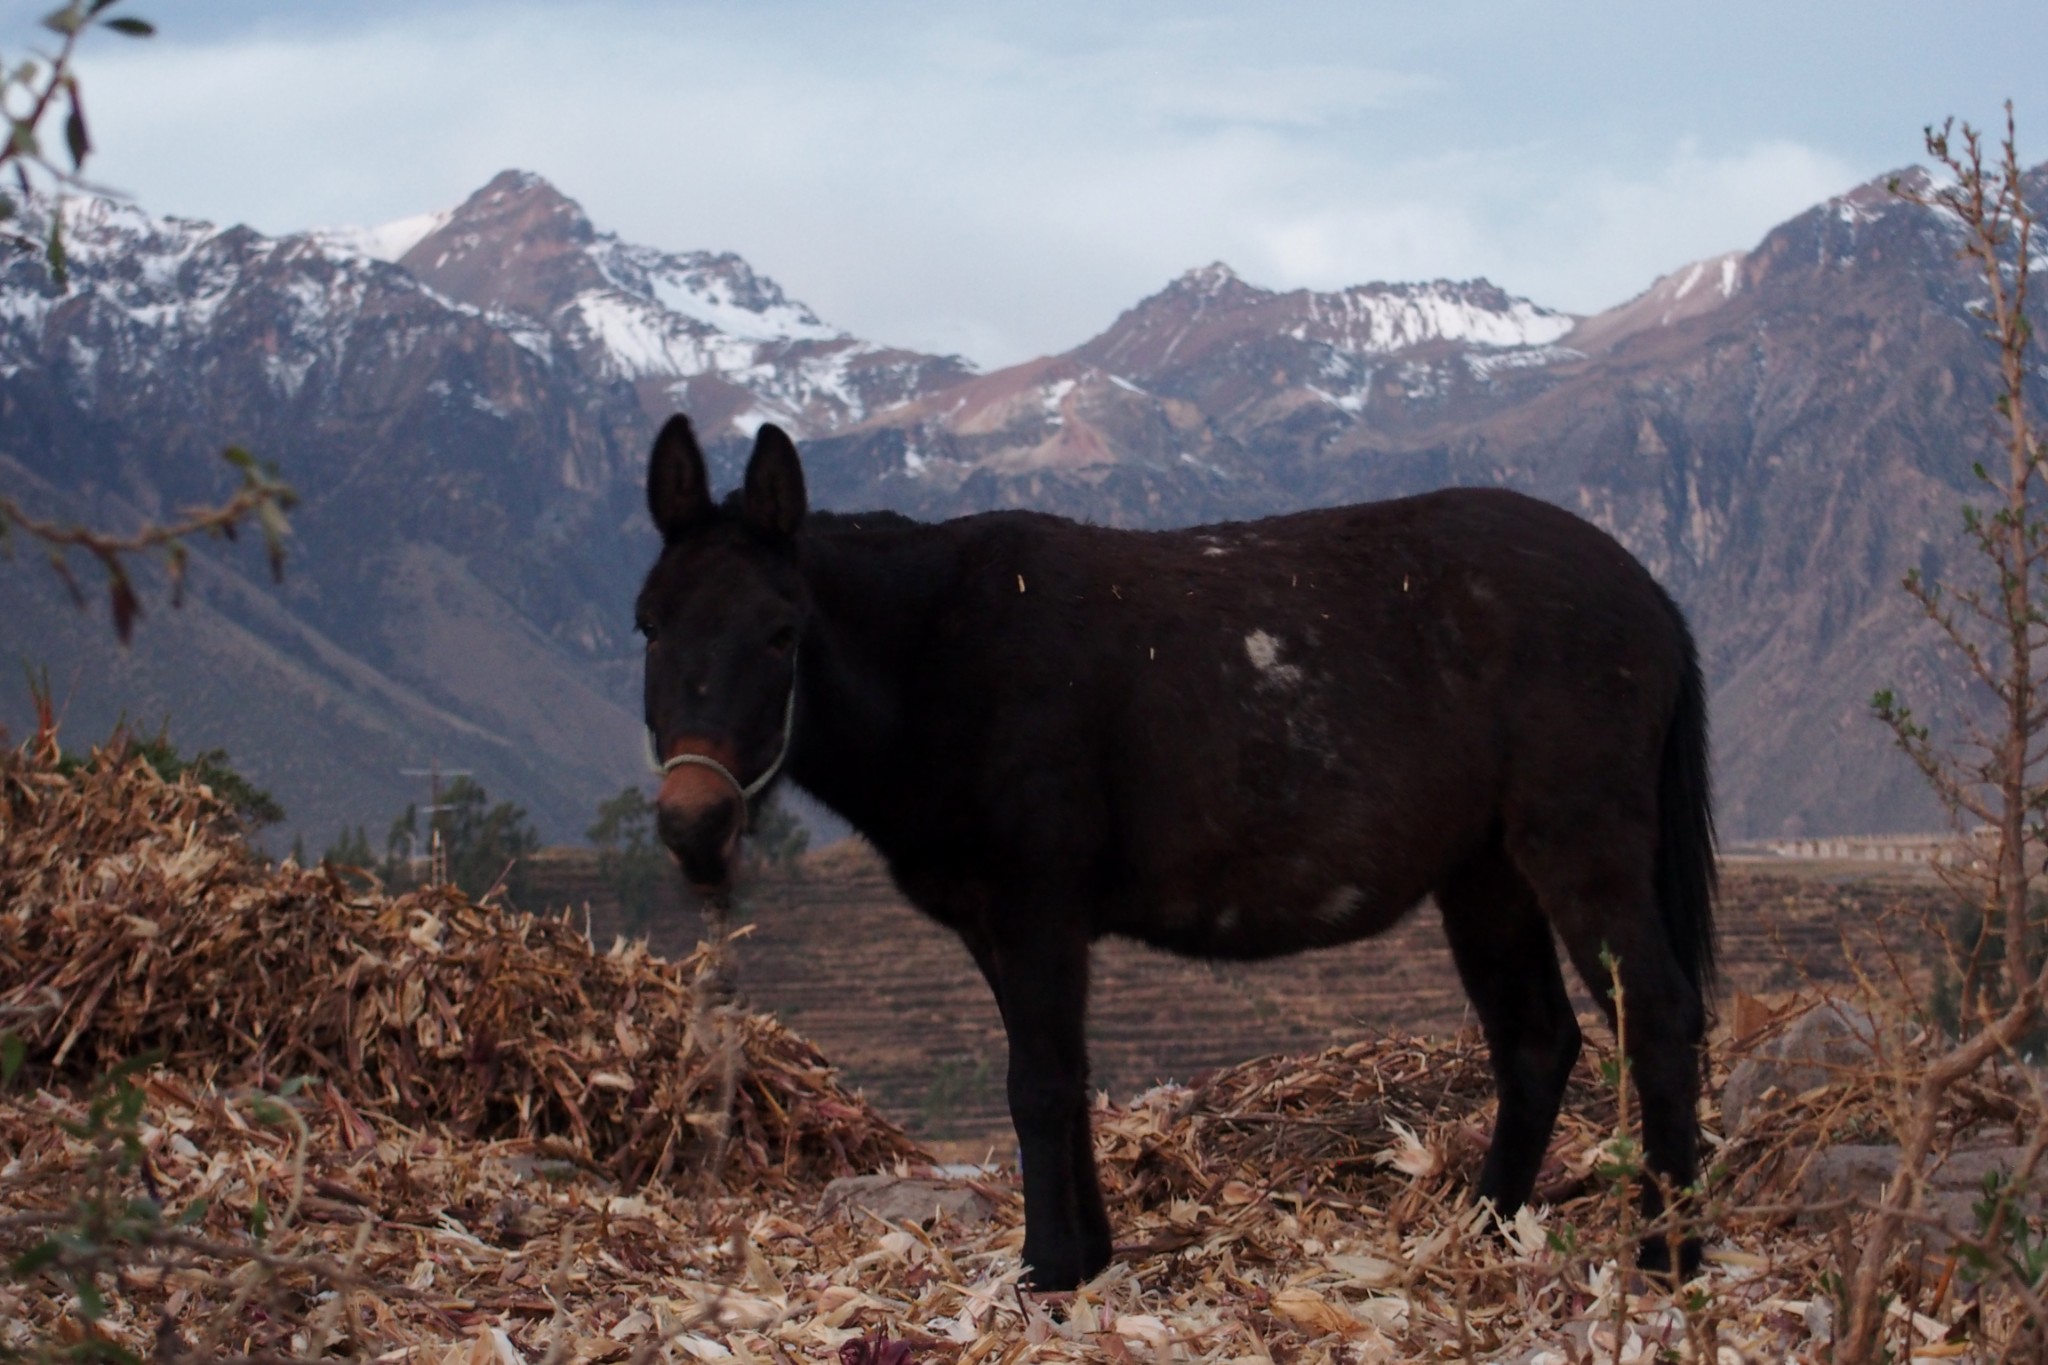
(437, 847)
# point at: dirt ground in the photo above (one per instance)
(894, 1000)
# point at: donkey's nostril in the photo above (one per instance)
(683, 827)
(698, 814)
(703, 839)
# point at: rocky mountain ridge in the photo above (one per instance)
(464, 399)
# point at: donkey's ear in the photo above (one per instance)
(774, 500)
(678, 490)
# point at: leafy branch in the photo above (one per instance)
(30, 92)
(1996, 783)
(261, 495)
(38, 85)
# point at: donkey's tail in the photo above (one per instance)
(1686, 872)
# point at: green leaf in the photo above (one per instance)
(66, 21)
(177, 557)
(35, 1258)
(128, 1105)
(54, 252)
(269, 1111)
(76, 139)
(192, 1213)
(275, 529)
(124, 606)
(132, 1066)
(13, 1052)
(134, 28)
(98, 1348)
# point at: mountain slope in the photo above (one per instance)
(470, 527)
(692, 330)
(1778, 433)
(464, 400)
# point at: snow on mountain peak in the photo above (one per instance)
(1211, 307)
(701, 329)
(719, 290)
(1208, 280)
(386, 241)
(103, 230)
(1376, 319)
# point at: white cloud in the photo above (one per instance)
(999, 181)
(1579, 237)
(1624, 231)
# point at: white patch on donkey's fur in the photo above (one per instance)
(1264, 652)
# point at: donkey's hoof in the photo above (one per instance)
(1059, 1272)
(1653, 1256)
(1049, 1277)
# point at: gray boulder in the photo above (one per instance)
(1818, 1047)
(907, 1199)
(1953, 1187)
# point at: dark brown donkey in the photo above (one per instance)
(1232, 742)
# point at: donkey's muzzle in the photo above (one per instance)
(699, 816)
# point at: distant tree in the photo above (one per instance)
(401, 845)
(486, 843)
(30, 91)
(779, 838)
(253, 807)
(351, 848)
(630, 862)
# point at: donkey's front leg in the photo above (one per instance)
(1041, 980)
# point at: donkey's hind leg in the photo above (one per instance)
(1502, 946)
(1597, 885)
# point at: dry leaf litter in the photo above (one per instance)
(516, 1147)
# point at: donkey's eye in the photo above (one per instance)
(782, 641)
(645, 628)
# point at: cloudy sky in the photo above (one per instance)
(1001, 178)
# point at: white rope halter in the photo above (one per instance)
(747, 790)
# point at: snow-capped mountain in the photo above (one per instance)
(1175, 388)
(697, 330)
(463, 401)
(464, 398)
(701, 330)
(1211, 306)
(1779, 433)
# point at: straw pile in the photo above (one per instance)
(132, 922)
(463, 1186)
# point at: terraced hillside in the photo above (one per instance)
(895, 1001)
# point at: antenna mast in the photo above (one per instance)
(437, 847)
